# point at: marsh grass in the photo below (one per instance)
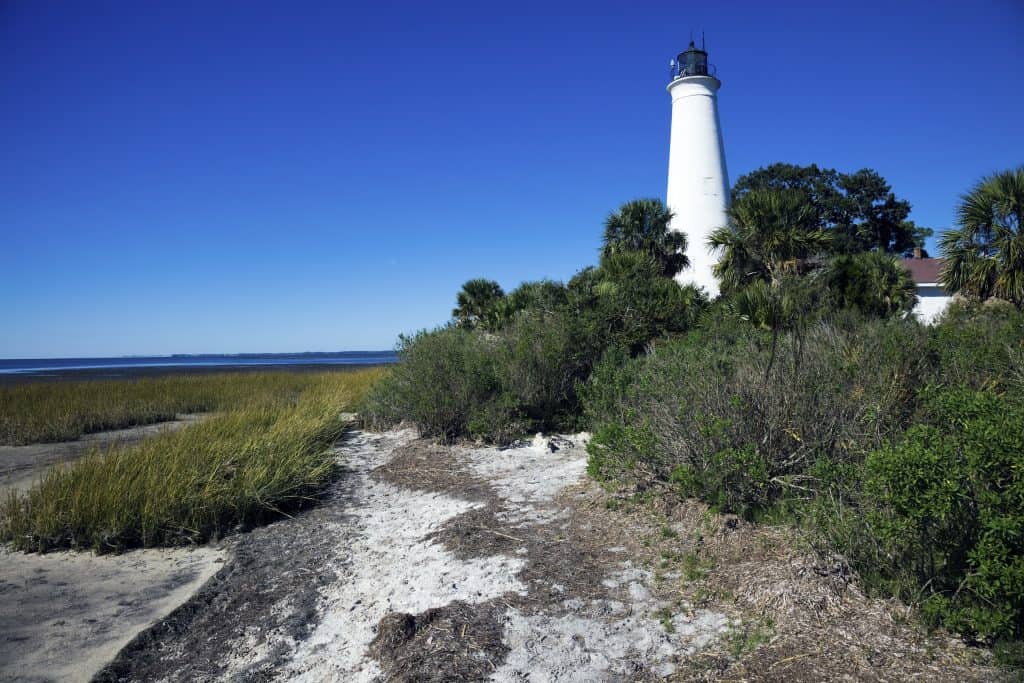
(268, 456)
(61, 411)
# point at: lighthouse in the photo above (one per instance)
(698, 185)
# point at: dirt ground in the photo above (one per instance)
(429, 563)
(21, 466)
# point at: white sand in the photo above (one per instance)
(391, 568)
(529, 477)
(604, 640)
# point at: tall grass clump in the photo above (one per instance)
(61, 411)
(234, 470)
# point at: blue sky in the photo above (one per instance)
(241, 176)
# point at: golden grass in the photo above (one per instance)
(61, 411)
(235, 469)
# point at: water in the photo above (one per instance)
(46, 366)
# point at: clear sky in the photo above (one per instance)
(245, 176)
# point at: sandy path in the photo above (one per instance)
(429, 563)
(21, 466)
(392, 566)
(64, 615)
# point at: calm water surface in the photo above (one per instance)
(43, 366)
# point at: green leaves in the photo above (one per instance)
(776, 266)
(627, 303)
(873, 283)
(946, 503)
(984, 256)
(859, 210)
(767, 307)
(477, 303)
(642, 226)
(771, 233)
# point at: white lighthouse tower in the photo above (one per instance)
(698, 184)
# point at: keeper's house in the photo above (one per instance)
(932, 299)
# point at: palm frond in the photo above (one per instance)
(984, 256)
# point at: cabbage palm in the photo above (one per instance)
(984, 256)
(771, 233)
(542, 296)
(642, 225)
(477, 303)
(773, 307)
(873, 282)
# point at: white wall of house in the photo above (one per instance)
(931, 302)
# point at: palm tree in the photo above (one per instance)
(642, 225)
(984, 257)
(771, 233)
(540, 296)
(873, 282)
(477, 303)
(773, 307)
(635, 303)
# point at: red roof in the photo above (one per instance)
(923, 270)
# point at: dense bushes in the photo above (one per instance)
(935, 516)
(901, 446)
(980, 346)
(717, 408)
(456, 382)
(944, 503)
(626, 303)
(540, 363)
(445, 379)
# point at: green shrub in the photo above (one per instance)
(602, 396)
(525, 374)
(734, 479)
(627, 303)
(717, 406)
(945, 503)
(455, 382)
(859, 431)
(543, 296)
(980, 346)
(618, 449)
(498, 420)
(539, 363)
(873, 283)
(445, 379)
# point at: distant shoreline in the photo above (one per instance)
(141, 371)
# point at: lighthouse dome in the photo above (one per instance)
(691, 62)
